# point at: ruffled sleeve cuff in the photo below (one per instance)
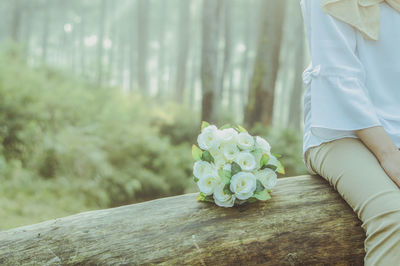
(339, 101)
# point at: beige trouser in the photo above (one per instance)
(355, 173)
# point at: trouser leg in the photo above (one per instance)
(355, 173)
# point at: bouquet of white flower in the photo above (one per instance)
(232, 167)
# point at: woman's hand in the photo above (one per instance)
(390, 162)
(388, 154)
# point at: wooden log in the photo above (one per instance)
(305, 223)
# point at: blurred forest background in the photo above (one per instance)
(100, 100)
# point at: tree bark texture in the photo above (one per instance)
(262, 89)
(305, 223)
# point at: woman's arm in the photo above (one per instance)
(385, 150)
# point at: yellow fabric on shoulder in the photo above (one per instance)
(364, 15)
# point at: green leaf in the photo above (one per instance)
(196, 152)
(264, 160)
(207, 157)
(276, 155)
(252, 199)
(209, 198)
(270, 166)
(262, 195)
(235, 168)
(225, 126)
(204, 124)
(204, 197)
(195, 179)
(257, 152)
(241, 129)
(272, 163)
(201, 196)
(281, 169)
(225, 175)
(259, 186)
(227, 190)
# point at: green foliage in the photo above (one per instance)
(259, 186)
(196, 153)
(225, 176)
(264, 160)
(204, 124)
(235, 168)
(206, 156)
(262, 195)
(241, 129)
(73, 142)
(286, 142)
(204, 197)
(226, 126)
(176, 122)
(67, 146)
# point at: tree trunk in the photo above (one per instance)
(226, 64)
(142, 44)
(209, 59)
(305, 223)
(161, 51)
(123, 54)
(296, 101)
(82, 46)
(262, 90)
(100, 49)
(16, 20)
(244, 79)
(132, 49)
(183, 49)
(28, 25)
(46, 30)
(113, 30)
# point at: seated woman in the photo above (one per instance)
(352, 112)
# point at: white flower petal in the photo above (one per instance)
(245, 141)
(267, 177)
(208, 184)
(246, 161)
(228, 135)
(202, 168)
(230, 151)
(263, 144)
(208, 138)
(243, 184)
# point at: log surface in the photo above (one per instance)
(306, 222)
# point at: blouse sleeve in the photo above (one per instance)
(340, 102)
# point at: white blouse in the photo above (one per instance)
(351, 83)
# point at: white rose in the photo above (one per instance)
(208, 138)
(208, 183)
(221, 198)
(263, 144)
(267, 177)
(243, 184)
(272, 160)
(230, 151)
(219, 161)
(215, 151)
(228, 135)
(202, 168)
(246, 161)
(245, 141)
